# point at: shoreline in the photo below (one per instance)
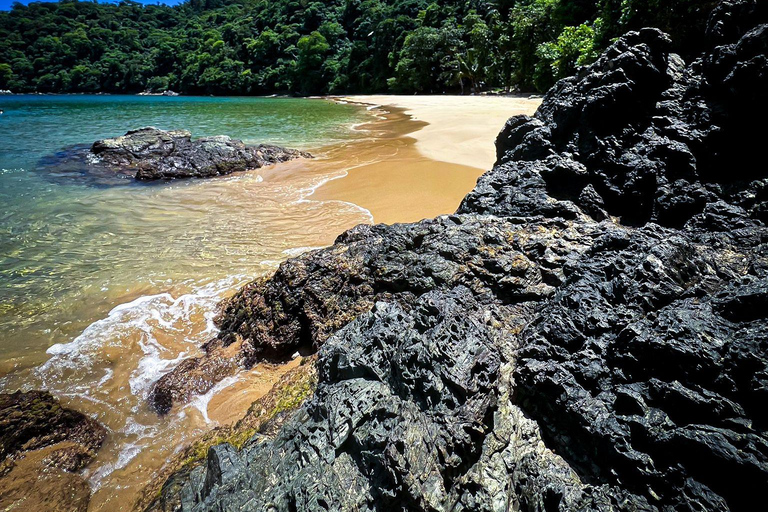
(459, 129)
(427, 153)
(383, 172)
(386, 175)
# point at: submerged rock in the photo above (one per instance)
(152, 154)
(588, 332)
(42, 446)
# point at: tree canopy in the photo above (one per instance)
(307, 47)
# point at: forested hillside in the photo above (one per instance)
(305, 47)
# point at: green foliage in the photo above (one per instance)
(6, 75)
(575, 46)
(306, 47)
(428, 60)
(312, 51)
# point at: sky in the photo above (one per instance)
(5, 5)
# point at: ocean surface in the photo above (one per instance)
(105, 288)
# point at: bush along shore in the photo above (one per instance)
(587, 332)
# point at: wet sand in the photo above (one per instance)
(436, 147)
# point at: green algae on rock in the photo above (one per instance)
(264, 417)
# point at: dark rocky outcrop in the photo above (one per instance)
(588, 332)
(35, 419)
(152, 154)
(157, 154)
(42, 446)
(311, 297)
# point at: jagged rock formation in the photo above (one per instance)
(152, 154)
(588, 332)
(42, 446)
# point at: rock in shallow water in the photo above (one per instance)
(35, 419)
(152, 154)
(157, 154)
(42, 446)
(589, 332)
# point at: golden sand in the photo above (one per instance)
(428, 156)
(460, 129)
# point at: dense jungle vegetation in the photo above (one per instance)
(308, 47)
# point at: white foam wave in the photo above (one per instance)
(142, 319)
(271, 264)
(151, 367)
(298, 251)
(118, 319)
(200, 402)
(130, 449)
(306, 193)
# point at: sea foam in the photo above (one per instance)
(141, 319)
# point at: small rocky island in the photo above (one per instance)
(149, 154)
(588, 332)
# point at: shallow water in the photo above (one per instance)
(103, 289)
(70, 252)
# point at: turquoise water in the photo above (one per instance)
(70, 252)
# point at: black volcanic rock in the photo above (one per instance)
(313, 296)
(42, 446)
(35, 419)
(152, 154)
(157, 154)
(655, 140)
(588, 332)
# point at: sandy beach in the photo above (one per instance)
(460, 129)
(425, 155)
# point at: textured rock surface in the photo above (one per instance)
(35, 419)
(588, 332)
(42, 445)
(265, 417)
(311, 297)
(153, 154)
